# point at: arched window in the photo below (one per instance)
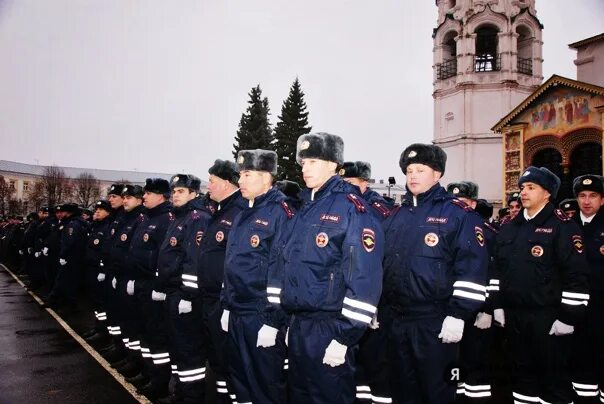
(448, 67)
(586, 159)
(525, 50)
(487, 58)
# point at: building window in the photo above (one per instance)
(448, 67)
(525, 50)
(11, 184)
(25, 186)
(486, 59)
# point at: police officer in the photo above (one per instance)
(134, 215)
(256, 324)
(515, 204)
(94, 268)
(331, 277)
(475, 349)
(569, 206)
(588, 352)
(71, 256)
(205, 278)
(141, 264)
(543, 290)
(435, 270)
(372, 372)
(178, 250)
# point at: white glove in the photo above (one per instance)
(559, 329)
(224, 321)
(158, 296)
(483, 321)
(374, 324)
(113, 282)
(29, 250)
(130, 288)
(184, 307)
(62, 261)
(100, 277)
(499, 317)
(101, 263)
(36, 254)
(287, 337)
(267, 336)
(21, 251)
(45, 251)
(335, 354)
(452, 330)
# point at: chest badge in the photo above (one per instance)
(96, 241)
(537, 251)
(255, 241)
(198, 237)
(368, 239)
(146, 237)
(431, 239)
(322, 239)
(173, 241)
(602, 249)
(578, 243)
(124, 237)
(219, 236)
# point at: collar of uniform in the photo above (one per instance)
(541, 216)
(586, 219)
(436, 193)
(163, 207)
(310, 195)
(226, 201)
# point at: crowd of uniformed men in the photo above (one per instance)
(333, 293)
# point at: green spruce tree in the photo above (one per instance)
(255, 130)
(293, 122)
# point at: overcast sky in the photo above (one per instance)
(157, 85)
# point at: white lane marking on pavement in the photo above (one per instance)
(130, 388)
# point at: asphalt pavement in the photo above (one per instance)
(43, 360)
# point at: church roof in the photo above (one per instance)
(586, 41)
(553, 81)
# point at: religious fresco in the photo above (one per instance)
(561, 111)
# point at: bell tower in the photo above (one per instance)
(487, 59)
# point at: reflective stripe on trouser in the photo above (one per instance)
(187, 348)
(540, 361)
(309, 380)
(257, 373)
(475, 351)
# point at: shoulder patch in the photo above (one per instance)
(561, 215)
(287, 209)
(383, 210)
(461, 204)
(357, 203)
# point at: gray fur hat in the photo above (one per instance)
(225, 169)
(588, 182)
(321, 146)
(463, 189)
(426, 154)
(257, 160)
(543, 177)
(185, 181)
(356, 169)
(133, 190)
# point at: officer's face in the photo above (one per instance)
(115, 201)
(362, 184)
(470, 202)
(533, 197)
(218, 188)
(100, 214)
(254, 183)
(130, 202)
(316, 172)
(42, 215)
(421, 178)
(589, 202)
(152, 200)
(180, 196)
(515, 207)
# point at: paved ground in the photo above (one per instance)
(40, 362)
